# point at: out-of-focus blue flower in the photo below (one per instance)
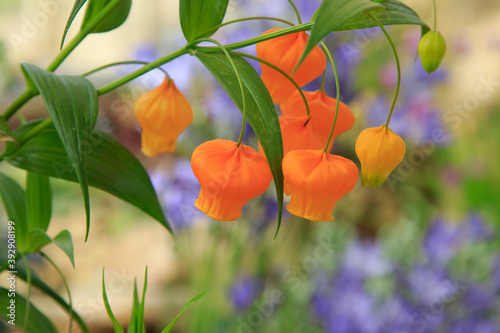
(430, 285)
(366, 260)
(177, 191)
(442, 241)
(245, 292)
(471, 325)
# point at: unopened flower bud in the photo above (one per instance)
(431, 48)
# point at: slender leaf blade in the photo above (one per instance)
(73, 105)
(113, 20)
(110, 167)
(39, 238)
(37, 321)
(331, 15)
(199, 18)
(188, 304)
(14, 200)
(260, 110)
(76, 8)
(38, 201)
(116, 325)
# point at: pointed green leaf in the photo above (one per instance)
(38, 239)
(110, 166)
(15, 205)
(260, 110)
(113, 20)
(191, 302)
(396, 13)
(73, 105)
(137, 324)
(76, 8)
(116, 325)
(332, 14)
(37, 321)
(64, 241)
(38, 201)
(199, 18)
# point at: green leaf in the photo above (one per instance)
(331, 15)
(73, 105)
(110, 166)
(199, 18)
(38, 201)
(76, 8)
(137, 324)
(37, 321)
(191, 302)
(396, 13)
(116, 325)
(40, 284)
(111, 21)
(64, 241)
(15, 205)
(260, 110)
(38, 239)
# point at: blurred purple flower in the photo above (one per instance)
(366, 260)
(430, 285)
(177, 191)
(245, 292)
(472, 325)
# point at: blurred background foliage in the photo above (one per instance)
(419, 254)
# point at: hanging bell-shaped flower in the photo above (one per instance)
(163, 114)
(322, 110)
(379, 151)
(317, 180)
(229, 175)
(285, 52)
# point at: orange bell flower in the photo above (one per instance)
(285, 52)
(322, 109)
(229, 175)
(317, 180)
(379, 150)
(163, 114)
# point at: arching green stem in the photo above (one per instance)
(246, 55)
(18, 103)
(249, 19)
(296, 11)
(126, 62)
(398, 84)
(434, 13)
(329, 55)
(65, 286)
(239, 82)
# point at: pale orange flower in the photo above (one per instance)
(379, 151)
(163, 114)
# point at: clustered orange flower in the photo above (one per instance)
(163, 114)
(231, 174)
